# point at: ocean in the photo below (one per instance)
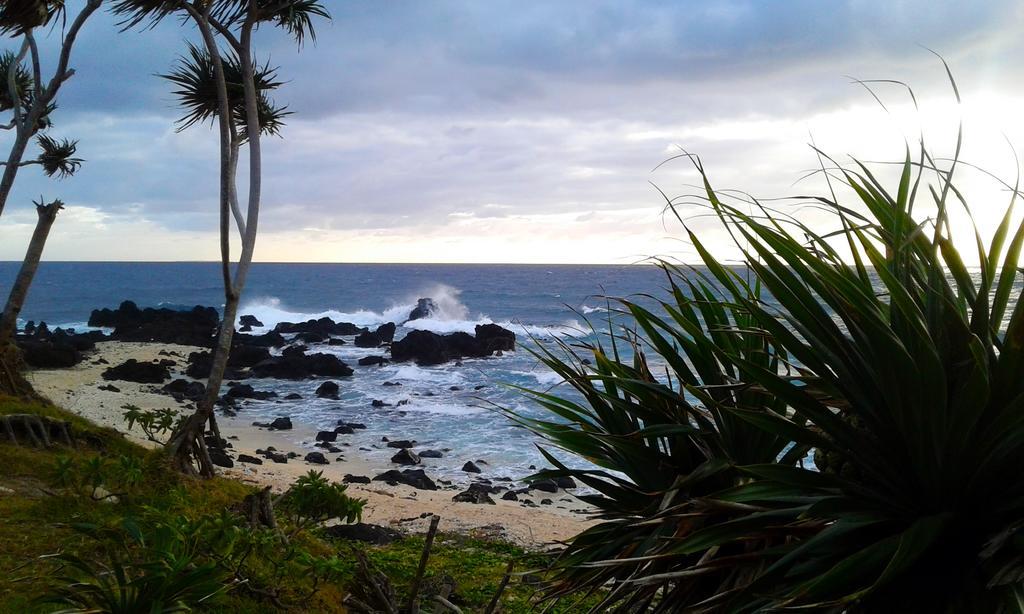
(449, 406)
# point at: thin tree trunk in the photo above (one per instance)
(188, 443)
(19, 291)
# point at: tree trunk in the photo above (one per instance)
(19, 291)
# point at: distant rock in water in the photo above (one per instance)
(193, 327)
(139, 372)
(425, 307)
(428, 348)
(324, 326)
(249, 320)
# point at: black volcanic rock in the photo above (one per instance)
(362, 532)
(249, 320)
(327, 436)
(368, 361)
(355, 479)
(301, 367)
(401, 443)
(425, 307)
(193, 327)
(324, 326)
(405, 456)
(245, 391)
(328, 390)
(495, 338)
(139, 372)
(266, 340)
(385, 333)
(316, 458)
(416, 478)
(476, 493)
(48, 355)
(428, 348)
(182, 389)
(470, 467)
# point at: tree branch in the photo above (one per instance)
(12, 82)
(37, 73)
(62, 74)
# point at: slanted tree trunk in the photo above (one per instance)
(29, 266)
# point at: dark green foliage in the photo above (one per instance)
(314, 499)
(154, 422)
(155, 572)
(897, 363)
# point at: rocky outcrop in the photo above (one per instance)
(266, 340)
(385, 333)
(470, 467)
(324, 326)
(428, 348)
(139, 372)
(425, 307)
(241, 356)
(250, 320)
(278, 424)
(193, 327)
(301, 366)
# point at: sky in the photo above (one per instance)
(523, 131)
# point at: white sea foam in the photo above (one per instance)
(444, 409)
(586, 309)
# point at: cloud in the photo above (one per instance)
(425, 128)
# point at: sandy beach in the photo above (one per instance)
(77, 389)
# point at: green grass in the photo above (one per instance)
(34, 522)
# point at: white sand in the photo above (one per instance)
(77, 390)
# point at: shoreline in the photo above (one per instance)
(401, 507)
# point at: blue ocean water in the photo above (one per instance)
(448, 406)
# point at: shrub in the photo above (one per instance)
(898, 365)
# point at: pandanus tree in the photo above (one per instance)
(867, 340)
(31, 102)
(230, 88)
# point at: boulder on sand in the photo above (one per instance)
(416, 478)
(182, 389)
(140, 372)
(476, 493)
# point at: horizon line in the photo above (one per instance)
(217, 262)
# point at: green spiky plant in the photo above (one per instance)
(893, 360)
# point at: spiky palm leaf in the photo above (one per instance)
(58, 156)
(20, 16)
(197, 93)
(22, 82)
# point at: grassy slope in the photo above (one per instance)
(32, 523)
